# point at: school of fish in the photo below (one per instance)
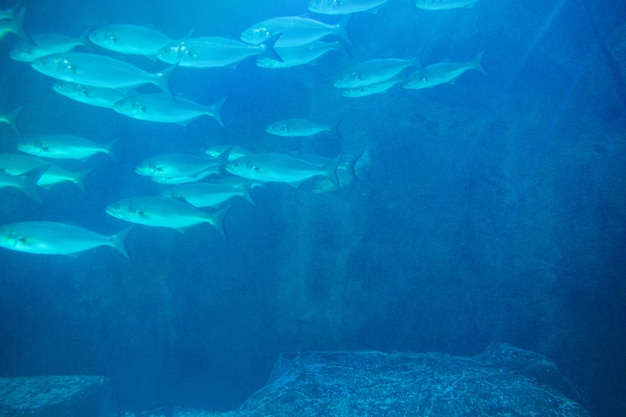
(199, 185)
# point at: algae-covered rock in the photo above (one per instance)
(55, 396)
(502, 381)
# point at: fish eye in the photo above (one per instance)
(17, 238)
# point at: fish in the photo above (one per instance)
(63, 146)
(351, 168)
(232, 152)
(157, 211)
(45, 44)
(339, 7)
(235, 181)
(299, 55)
(371, 89)
(100, 71)
(25, 182)
(444, 4)
(177, 165)
(275, 167)
(130, 39)
(442, 73)
(18, 164)
(210, 52)
(15, 25)
(164, 109)
(11, 119)
(55, 175)
(297, 128)
(94, 96)
(54, 238)
(186, 180)
(373, 72)
(207, 194)
(294, 31)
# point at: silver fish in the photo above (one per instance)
(11, 118)
(206, 194)
(94, 96)
(233, 152)
(52, 238)
(212, 52)
(45, 44)
(444, 4)
(18, 164)
(442, 73)
(63, 146)
(100, 71)
(345, 6)
(55, 175)
(370, 89)
(297, 128)
(177, 165)
(130, 39)
(164, 109)
(299, 55)
(186, 180)
(26, 182)
(373, 71)
(165, 212)
(274, 167)
(294, 31)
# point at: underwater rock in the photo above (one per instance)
(502, 381)
(55, 396)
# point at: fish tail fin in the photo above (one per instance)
(223, 158)
(268, 48)
(18, 26)
(331, 170)
(11, 119)
(110, 149)
(477, 63)
(215, 111)
(28, 183)
(342, 29)
(363, 160)
(216, 219)
(83, 39)
(78, 178)
(352, 165)
(245, 192)
(118, 241)
(162, 80)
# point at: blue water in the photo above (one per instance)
(492, 209)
